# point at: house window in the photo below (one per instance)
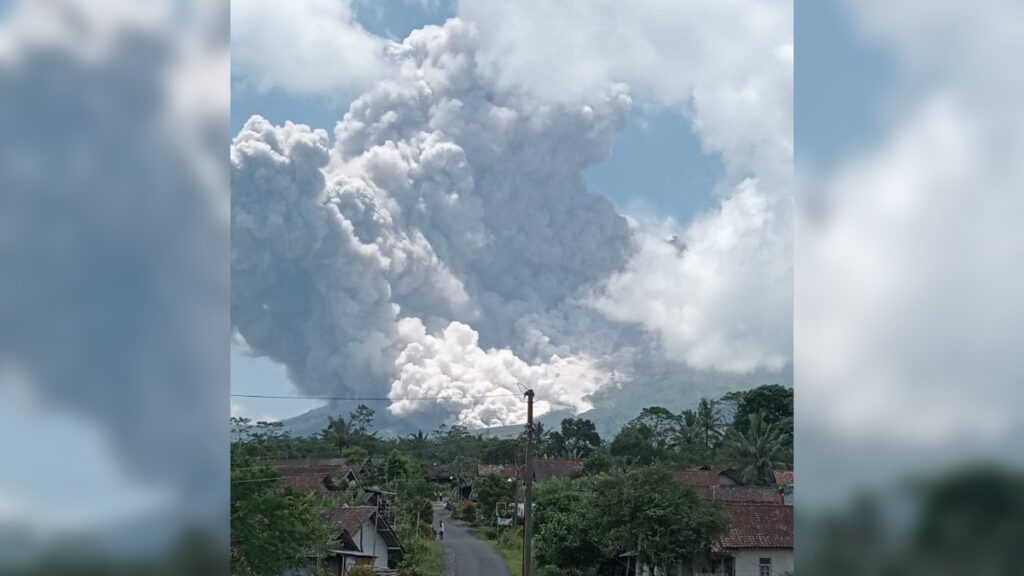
(765, 567)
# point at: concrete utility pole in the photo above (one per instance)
(528, 481)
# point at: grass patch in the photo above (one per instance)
(509, 544)
(433, 558)
(429, 558)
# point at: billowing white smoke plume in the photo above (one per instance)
(718, 290)
(445, 209)
(454, 367)
(444, 244)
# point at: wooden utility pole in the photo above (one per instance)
(528, 481)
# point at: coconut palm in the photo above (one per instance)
(709, 422)
(757, 452)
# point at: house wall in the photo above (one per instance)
(748, 561)
(371, 542)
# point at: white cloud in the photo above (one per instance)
(726, 302)
(720, 293)
(908, 263)
(308, 47)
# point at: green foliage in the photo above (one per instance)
(579, 438)
(599, 462)
(574, 533)
(774, 401)
(647, 509)
(636, 445)
(565, 533)
(361, 421)
(582, 525)
(763, 448)
(273, 529)
(488, 492)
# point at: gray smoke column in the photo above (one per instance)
(405, 256)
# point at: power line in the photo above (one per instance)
(372, 398)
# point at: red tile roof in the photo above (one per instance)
(758, 526)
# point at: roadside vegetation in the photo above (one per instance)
(622, 500)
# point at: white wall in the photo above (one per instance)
(747, 561)
(367, 539)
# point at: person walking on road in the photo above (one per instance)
(440, 530)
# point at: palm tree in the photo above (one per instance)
(418, 443)
(759, 451)
(709, 422)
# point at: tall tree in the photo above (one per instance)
(647, 511)
(757, 452)
(338, 433)
(666, 428)
(774, 401)
(636, 445)
(273, 529)
(579, 437)
(489, 492)
(361, 421)
(709, 422)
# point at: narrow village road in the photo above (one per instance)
(464, 555)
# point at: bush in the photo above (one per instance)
(360, 571)
(468, 511)
(509, 538)
(549, 571)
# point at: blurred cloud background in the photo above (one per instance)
(908, 278)
(114, 330)
(114, 326)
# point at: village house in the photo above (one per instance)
(759, 541)
(363, 537)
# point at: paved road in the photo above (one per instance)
(464, 555)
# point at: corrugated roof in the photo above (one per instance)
(758, 526)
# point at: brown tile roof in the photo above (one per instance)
(314, 476)
(698, 478)
(315, 483)
(758, 526)
(548, 469)
(784, 477)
